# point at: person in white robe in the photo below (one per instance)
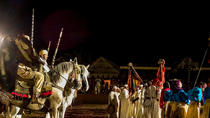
(113, 103)
(124, 102)
(138, 103)
(98, 86)
(150, 96)
(157, 109)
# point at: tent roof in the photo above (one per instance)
(103, 68)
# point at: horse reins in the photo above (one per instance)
(67, 80)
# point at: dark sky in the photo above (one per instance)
(122, 32)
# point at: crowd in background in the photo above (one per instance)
(149, 101)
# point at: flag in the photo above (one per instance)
(134, 79)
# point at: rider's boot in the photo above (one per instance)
(35, 97)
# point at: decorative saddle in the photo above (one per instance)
(24, 89)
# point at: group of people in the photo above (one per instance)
(124, 105)
(149, 101)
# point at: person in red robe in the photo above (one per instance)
(160, 76)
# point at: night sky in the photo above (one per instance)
(121, 32)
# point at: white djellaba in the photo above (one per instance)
(138, 105)
(157, 109)
(150, 95)
(113, 99)
(124, 102)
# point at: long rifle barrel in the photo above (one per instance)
(200, 67)
(48, 48)
(32, 28)
(56, 50)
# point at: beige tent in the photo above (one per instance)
(103, 68)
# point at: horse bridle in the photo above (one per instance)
(66, 79)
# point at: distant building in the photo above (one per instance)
(106, 71)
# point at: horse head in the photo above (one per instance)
(84, 73)
(76, 75)
(84, 76)
(67, 74)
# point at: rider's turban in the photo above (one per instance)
(42, 52)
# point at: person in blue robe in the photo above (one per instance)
(180, 100)
(206, 95)
(195, 102)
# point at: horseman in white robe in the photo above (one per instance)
(27, 66)
(44, 68)
(43, 56)
(124, 102)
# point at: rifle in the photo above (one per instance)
(56, 50)
(32, 28)
(48, 48)
(200, 67)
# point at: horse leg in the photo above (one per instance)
(55, 101)
(54, 112)
(13, 112)
(47, 115)
(62, 110)
(18, 116)
(66, 102)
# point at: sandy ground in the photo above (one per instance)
(87, 111)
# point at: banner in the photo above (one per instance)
(134, 80)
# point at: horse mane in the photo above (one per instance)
(61, 68)
(83, 69)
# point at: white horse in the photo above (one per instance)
(61, 77)
(71, 94)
